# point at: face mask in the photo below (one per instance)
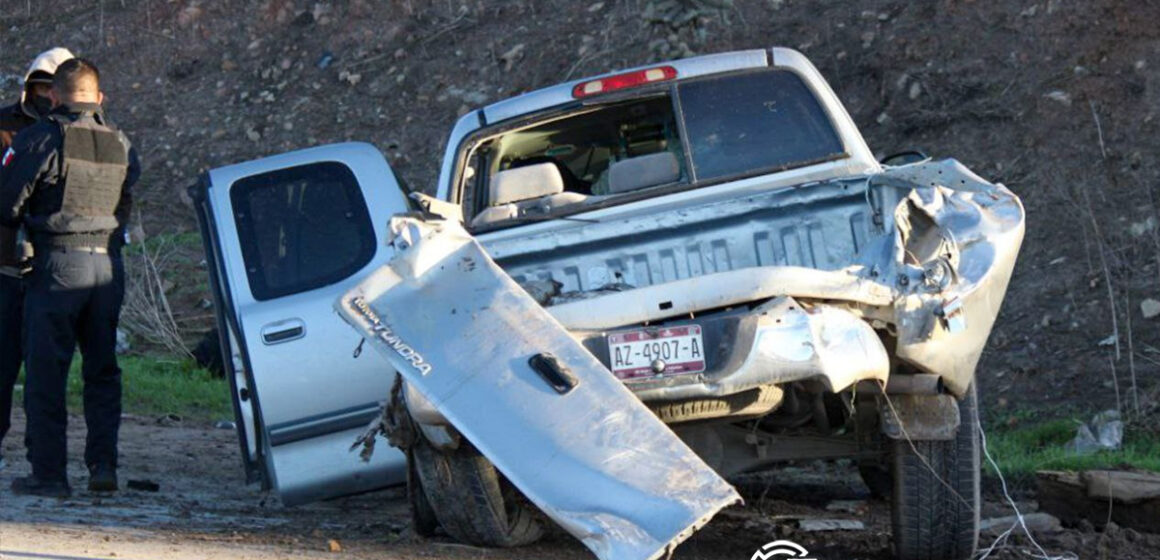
(40, 105)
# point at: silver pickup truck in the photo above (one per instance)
(713, 230)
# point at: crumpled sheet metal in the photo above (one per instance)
(793, 343)
(958, 248)
(722, 289)
(819, 340)
(594, 458)
(936, 273)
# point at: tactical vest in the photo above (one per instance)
(94, 164)
(79, 209)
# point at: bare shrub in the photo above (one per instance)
(146, 313)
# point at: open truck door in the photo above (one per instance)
(285, 236)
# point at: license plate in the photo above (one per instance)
(663, 352)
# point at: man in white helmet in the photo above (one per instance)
(34, 104)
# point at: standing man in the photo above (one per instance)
(34, 104)
(67, 178)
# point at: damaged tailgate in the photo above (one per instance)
(545, 411)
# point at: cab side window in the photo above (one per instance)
(301, 228)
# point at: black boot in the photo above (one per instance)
(32, 486)
(102, 478)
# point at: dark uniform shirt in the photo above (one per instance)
(33, 180)
(13, 119)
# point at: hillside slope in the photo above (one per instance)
(1056, 99)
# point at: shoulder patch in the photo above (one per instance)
(8, 155)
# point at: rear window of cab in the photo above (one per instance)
(695, 132)
(753, 122)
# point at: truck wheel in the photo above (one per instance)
(472, 502)
(935, 503)
(423, 518)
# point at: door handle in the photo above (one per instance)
(559, 376)
(283, 331)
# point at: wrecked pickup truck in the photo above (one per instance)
(712, 234)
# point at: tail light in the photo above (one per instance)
(624, 81)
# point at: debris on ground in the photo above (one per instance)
(122, 345)
(1059, 96)
(1129, 498)
(1036, 523)
(1150, 308)
(817, 525)
(143, 485)
(1138, 229)
(1104, 433)
(857, 507)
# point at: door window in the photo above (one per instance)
(301, 228)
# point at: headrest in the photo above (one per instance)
(524, 183)
(643, 171)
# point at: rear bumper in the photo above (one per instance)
(778, 342)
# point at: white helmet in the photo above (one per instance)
(41, 71)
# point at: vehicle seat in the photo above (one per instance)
(572, 183)
(532, 189)
(643, 171)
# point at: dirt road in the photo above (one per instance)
(204, 511)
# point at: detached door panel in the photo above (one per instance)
(297, 230)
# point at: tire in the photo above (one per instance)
(423, 519)
(935, 508)
(471, 501)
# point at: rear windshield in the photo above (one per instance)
(583, 147)
(758, 121)
(716, 128)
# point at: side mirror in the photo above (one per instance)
(904, 158)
